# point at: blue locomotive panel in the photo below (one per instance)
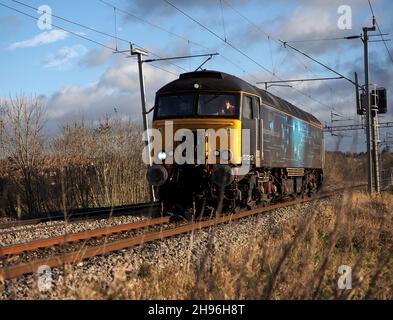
(289, 142)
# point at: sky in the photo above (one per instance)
(76, 74)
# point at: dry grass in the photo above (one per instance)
(298, 260)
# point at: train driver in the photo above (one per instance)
(227, 109)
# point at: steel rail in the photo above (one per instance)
(80, 214)
(75, 257)
(74, 237)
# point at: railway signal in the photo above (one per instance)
(378, 98)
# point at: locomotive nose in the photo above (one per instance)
(157, 175)
(222, 175)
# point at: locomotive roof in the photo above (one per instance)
(219, 81)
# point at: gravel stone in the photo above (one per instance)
(179, 250)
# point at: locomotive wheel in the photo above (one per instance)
(189, 214)
(182, 211)
(252, 205)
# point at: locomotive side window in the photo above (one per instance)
(247, 107)
(218, 105)
(256, 107)
(175, 106)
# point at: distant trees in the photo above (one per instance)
(345, 168)
(86, 165)
(102, 164)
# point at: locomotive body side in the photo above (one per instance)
(290, 142)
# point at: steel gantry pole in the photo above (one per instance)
(140, 53)
(143, 99)
(370, 166)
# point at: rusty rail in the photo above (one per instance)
(75, 257)
(50, 242)
(84, 214)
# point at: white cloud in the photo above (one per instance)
(64, 56)
(124, 78)
(40, 39)
(96, 57)
(117, 88)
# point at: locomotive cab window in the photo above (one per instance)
(175, 106)
(204, 105)
(218, 105)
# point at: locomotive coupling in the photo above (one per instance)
(157, 175)
(222, 175)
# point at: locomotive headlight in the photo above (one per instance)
(226, 155)
(157, 175)
(161, 156)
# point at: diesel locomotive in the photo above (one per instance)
(266, 149)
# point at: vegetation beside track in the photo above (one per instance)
(295, 260)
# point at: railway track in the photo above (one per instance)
(161, 228)
(75, 237)
(84, 214)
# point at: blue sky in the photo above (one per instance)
(77, 78)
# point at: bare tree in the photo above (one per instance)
(23, 144)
